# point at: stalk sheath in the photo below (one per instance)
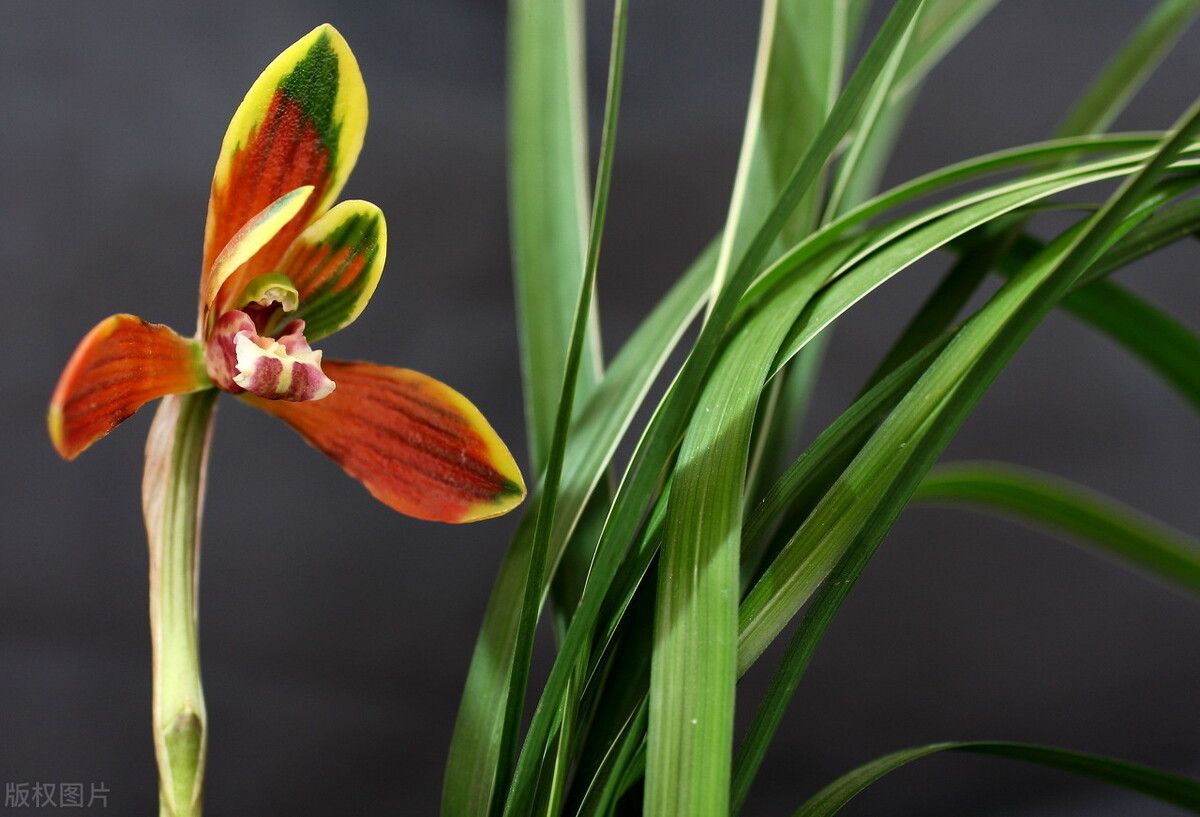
(172, 496)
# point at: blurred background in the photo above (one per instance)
(336, 634)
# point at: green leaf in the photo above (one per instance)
(794, 489)
(1111, 91)
(1168, 225)
(940, 26)
(607, 787)
(896, 247)
(793, 497)
(1153, 547)
(693, 671)
(535, 578)
(1096, 109)
(1130, 151)
(548, 193)
(951, 296)
(781, 414)
(548, 200)
(598, 428)
(667, 425)
(1164, 344)
(802, 52)
(867, 498)
(1159, 340)
(620, 682)
(690, 736)
(830, 450)
(1169, 788)
(876, 104)
(803, 48)
(1093, 519)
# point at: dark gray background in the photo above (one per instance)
(336, 634)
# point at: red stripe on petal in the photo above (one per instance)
(120, 365)
(285, 154)
(281, 154)
(416, 444)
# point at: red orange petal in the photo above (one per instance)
(118, 366)
(417, 445)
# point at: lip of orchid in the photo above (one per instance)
(245, 352)
(286, 368)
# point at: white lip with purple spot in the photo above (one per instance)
(283, 368)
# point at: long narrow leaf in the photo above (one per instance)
(1169, 788)
(532, 601)
(548, 200)
(690, 737)
(801, 51)
(1171, 224)
(598, 429)
(868, 498)
(803, 48)
(1114, 166)
(1095, 521)
(798, 70)
(900, 246)
(941, 25)
(795, 493)
(1109, 93)
(659, 443)
(1104, 99)
(873, 110)
(810, 565)
(1125, 150)
(1167, 346)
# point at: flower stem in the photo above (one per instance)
(172, 495)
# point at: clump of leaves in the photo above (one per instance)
(665, 589)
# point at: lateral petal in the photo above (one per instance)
(417, 445)
(301, 123)
(335, 265)
(117, 367)
(244, 244)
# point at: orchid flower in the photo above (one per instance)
(282, 269)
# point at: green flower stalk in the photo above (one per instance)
(172, 496)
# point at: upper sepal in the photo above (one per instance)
(417, 445)
(301, 123)
(118, 366)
